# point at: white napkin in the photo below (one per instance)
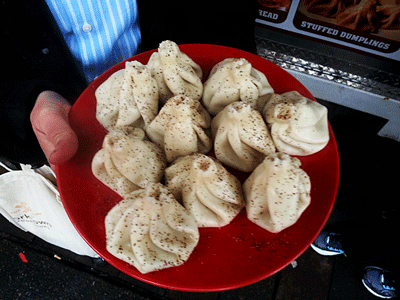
(30, 200)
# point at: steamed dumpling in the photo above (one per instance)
(212, 195)
(277, 192)
(150, 230)
(128, 161)
(175, 72)
(156, 68)
(299, 126)
(180, 128)
(241, 137)
(129, 97)
(234, 79)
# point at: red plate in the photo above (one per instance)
(233, 256)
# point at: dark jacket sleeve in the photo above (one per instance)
(34, 59)
(220, 22)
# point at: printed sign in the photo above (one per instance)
(371, 26)
(274, 11)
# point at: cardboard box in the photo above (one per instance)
(371, 27)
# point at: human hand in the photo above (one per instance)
(49, 119)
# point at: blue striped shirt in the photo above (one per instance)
(99, 33)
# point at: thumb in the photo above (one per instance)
(49, 118)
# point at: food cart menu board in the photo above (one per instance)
(369, 26)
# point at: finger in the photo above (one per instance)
(49, 119)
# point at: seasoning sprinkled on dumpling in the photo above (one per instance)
(299, 126)
(150, 230)
(175, 72)
(128, 161)
(277, 192)
(234, 79)
(180, 128)
(129, 97)
(241, 137)
(206, 188)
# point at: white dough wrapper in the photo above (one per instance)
(299, 126)
(241, 137)
(175, 72)
(212, 195)
(234, 79)
(128, 161)
(129, 97)
(150, 230)
(277, 192)
(180, 128)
